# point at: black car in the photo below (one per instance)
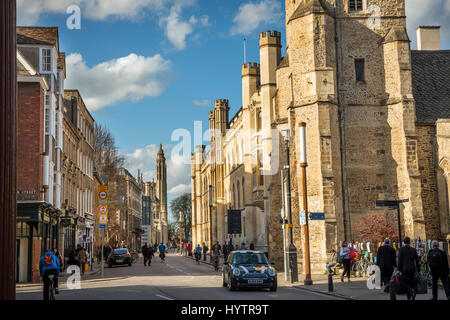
(119, 257)
(248, 269)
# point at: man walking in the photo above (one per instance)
(386, 261)
(225, 251)
(81, 257)
(216, 254)
(145, 253)
(205, 250)
(438, 262)
(408, 265)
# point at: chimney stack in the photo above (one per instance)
(428, 38)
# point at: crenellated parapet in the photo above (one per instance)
(250, 69)
(270, 38)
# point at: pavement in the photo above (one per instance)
(355, 290)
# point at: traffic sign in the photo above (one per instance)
(103, 219)
(102, 226)
(103, 209)
(317, 216)
(302, 218)
(103, 194)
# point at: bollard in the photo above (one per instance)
(330, 277)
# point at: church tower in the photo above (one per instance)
(161, 192)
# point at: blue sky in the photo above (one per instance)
(148, 67)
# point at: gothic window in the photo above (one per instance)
(355, 5)
(243, 192)
(238, 195)
(359, 70)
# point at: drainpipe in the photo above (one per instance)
(338, 49)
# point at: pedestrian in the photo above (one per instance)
(386, 261)
(73, 261)
(81, 257)
(58, 255)
(408, 265)
(145, 253)
(345, 254)
(150, 254)
(198, 253)
(438, 262)
(216, 254)
(190, 249)
(225, 251)
(242, 247)
(205, 250)
(252, 246)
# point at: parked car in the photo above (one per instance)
(119, 257)
(248, 269)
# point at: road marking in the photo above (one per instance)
(158, 295)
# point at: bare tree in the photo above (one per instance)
(107, 157)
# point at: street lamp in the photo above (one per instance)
(291, 250)
(303, 165)
(181, 248)
(210, 222)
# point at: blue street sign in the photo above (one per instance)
(317, 216)
(102, 226)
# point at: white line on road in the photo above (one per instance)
(158, 295)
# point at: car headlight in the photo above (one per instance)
(236, 272)
(272, 272)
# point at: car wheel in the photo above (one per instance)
(274, 287)
(224, 283)
(230, 284)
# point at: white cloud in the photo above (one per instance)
(29, 11)
(178, 29)
(252, 15)
(201, 104)
(178, 173)
(128, 78)
(180, 189)
(436, 12)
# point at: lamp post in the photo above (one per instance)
(283, 225)
(303, 165)
(210, 222)
(181, 242)
(291, 250)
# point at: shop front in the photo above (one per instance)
(68, 226)
(37, 230)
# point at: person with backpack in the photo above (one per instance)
(198, 254)
(49, 265)
(162, 251)
(386, 261)
(409, 266)
(438, 262)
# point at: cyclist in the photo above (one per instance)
(162, 251)
(49, 265)
(198, 254)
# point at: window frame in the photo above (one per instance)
(355, 8)
(49, 63)
(363, 70)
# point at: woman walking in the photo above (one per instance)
(345, 255)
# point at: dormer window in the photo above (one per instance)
(355, 5)
(46, 55)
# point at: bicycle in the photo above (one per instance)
(51, 288)
(134, 256)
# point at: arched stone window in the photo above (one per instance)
(238, 196)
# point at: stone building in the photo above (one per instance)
(125, 210)
(377, 117)
(78, 187)
(40, 76)
(157, 193)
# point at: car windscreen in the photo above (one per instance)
(120, 251)
(249, 258)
